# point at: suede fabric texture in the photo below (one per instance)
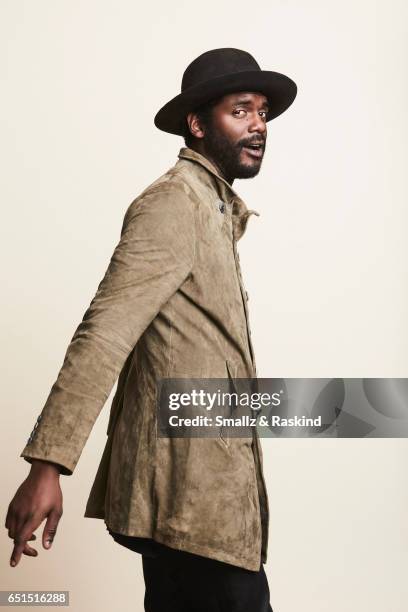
(171, 304)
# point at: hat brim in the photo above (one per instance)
(278, 88)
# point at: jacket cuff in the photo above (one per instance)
(54, 455)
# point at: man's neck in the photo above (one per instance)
(200, 149)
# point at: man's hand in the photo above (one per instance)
(38, 497)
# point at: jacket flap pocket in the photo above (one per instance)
(232, 372)
(232, 368)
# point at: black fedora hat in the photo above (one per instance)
(222, 71)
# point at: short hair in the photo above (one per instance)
(204, 112)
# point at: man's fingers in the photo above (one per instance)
(11, 535)
(23, 534)
(19, 546)
(29, 551)
(50, 528)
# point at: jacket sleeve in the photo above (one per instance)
(153, 258)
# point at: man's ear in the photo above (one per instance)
(195, 125)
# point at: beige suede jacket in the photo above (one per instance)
(171, 304)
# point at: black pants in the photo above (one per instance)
(177, 581)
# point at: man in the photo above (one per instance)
(171, 304)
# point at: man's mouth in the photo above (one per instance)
(254, 150)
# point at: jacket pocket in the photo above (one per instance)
(238, 386)
(231, 370)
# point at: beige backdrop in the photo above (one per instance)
(81, 82)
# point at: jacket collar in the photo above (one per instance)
(240, 211)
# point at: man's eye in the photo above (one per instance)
(238, 110)
(264, 112)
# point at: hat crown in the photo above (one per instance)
(216, 63)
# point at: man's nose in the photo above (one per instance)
(257, 124)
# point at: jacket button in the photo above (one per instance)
(221, 206)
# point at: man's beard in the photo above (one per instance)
(227, 155)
